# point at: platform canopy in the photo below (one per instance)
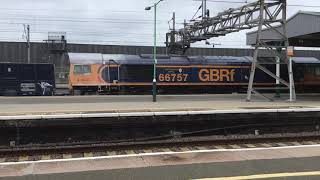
(303, 30)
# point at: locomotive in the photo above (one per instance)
(119, 73)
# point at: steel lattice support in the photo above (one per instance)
(262, 44)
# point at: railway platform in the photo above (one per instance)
(143, 103)
(295, 162)
(73, 121)
(40, 123)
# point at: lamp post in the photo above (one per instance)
(154, 81)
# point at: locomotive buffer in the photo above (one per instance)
(260, 14)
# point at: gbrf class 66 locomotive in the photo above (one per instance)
(90, 72)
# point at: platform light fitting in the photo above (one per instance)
(149, 7)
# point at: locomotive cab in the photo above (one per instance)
(82, 73)
(80, 78)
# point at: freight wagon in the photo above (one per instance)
(26, 79)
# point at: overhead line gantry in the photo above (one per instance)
(260, 14)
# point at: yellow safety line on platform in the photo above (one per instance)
(265, 176)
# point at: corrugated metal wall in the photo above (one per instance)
(17, 52)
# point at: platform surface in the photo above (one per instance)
(143, 103)
(298, 162)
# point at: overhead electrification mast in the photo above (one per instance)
(260, 14)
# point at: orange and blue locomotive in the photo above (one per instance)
(109, 73)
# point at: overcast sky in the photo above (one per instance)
(123, 22)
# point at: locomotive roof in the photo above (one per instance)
(98, 58)
(305, 60)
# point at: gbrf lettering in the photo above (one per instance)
(216, 75)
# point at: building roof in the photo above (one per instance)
(303, 30)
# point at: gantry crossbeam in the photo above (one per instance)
(229, 21)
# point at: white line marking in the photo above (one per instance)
(266, 176)
(167, 113)
(158, 154)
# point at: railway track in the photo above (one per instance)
(74, 137)
(171, 145)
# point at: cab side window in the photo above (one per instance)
(77, 69)
(86, 69)
(82, 69)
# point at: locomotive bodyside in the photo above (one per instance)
(132, 73)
